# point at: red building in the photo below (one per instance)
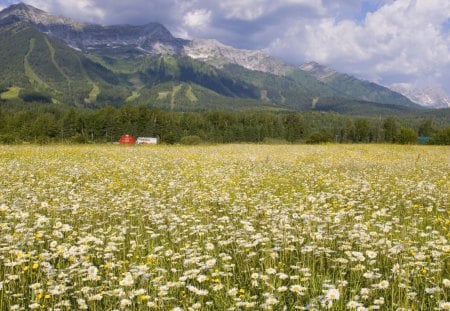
(127, 139)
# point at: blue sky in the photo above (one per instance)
(385, 41)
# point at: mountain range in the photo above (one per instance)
(431, 96)
(56, 59)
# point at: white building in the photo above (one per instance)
(147, 140)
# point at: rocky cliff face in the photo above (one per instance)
(219, 55)
(118, 40)
(28, 13)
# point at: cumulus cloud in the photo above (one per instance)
(197, 18)
(404, 39)
(89, 10)
(254, 9)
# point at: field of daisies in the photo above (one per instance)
(229, 227)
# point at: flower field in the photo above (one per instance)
(230, 227)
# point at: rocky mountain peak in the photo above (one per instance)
(321, 72)
(121, 41)
(27, 13)
(219, 55)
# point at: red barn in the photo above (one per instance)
(127, 139)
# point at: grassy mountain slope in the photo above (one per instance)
(184, 96)
(296, 91)
(33, 62)
(362, 108)
(351, 87)
(184, 84)
(368, 91)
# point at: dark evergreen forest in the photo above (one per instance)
(50, 123)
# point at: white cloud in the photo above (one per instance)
(197, 18)
(245, 10)
(250, 10)
(88, 10)
(402, 38)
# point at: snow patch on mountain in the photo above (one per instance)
(430, 96)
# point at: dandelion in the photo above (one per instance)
(446, 283)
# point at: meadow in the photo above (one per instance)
(227, 227)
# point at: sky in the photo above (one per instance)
(384, 41)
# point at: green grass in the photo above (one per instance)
(29, 72)
(162, 95)
(94, 92)
(52, 56)
(190, 94)
(12, 93)
(175, 90)
(134, 95)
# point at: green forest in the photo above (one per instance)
(51, 123)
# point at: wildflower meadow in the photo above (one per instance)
(228, 227)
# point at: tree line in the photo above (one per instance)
(54, 124)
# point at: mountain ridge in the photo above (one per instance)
(361, 90)
(125, 62)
